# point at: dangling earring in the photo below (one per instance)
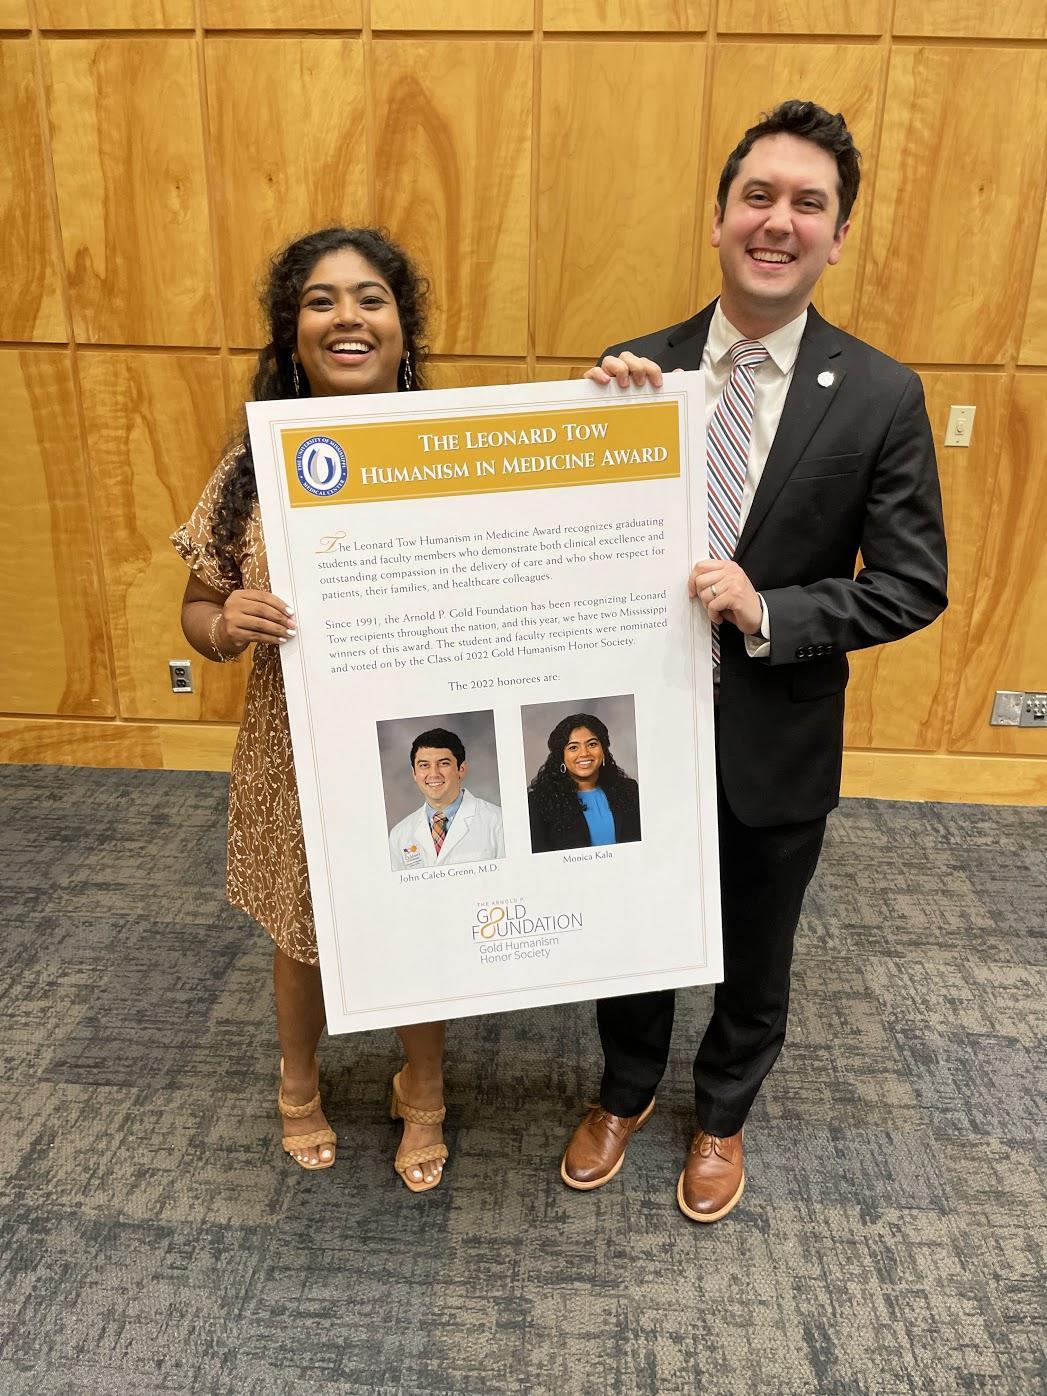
(563, 768)
(408, 375)
(294, 375)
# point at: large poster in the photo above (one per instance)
(500, 694)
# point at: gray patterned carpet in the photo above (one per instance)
(154, 1238)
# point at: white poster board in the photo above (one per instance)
(488, 562)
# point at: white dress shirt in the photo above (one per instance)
(772, 379)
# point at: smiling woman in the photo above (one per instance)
(349, 334)
(345, 311)
(288, 368)
(581, 797)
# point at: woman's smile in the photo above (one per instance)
(583, 758)
(348, 351)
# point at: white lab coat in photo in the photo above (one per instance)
(475, 834)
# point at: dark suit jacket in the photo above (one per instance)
(852, 468)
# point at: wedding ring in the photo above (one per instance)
(713, 590)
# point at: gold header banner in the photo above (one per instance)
(433, 458)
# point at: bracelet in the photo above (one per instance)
(212, 637)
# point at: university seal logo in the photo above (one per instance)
(321, 464)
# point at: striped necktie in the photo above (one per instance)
(439, 831)
(727, 454)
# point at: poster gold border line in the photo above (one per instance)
(681, 434)
(299, 656)
(661, 972)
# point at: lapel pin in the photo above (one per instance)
(826, 379)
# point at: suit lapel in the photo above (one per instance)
(805, 405)
(686, 344)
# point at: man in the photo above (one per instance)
(452, 826)
(818, 448)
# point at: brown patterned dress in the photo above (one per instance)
(267, 875)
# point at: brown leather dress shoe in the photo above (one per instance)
(597, 1147)
(713, 1178)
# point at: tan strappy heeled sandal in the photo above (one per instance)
(293, 1143)
(416, 1158)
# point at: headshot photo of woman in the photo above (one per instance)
(581, 797)
(345, 314)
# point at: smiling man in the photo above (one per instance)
(818, 449)
(453, 825)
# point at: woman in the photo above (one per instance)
(581, 797)
(345, 312)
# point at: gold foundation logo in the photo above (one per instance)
(511, 921)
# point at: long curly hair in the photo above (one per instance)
(273, 379)
(555, 793)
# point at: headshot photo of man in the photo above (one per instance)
(452, 825)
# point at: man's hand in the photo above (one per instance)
(727, 594)
(626, 368)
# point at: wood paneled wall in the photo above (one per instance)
(551, 163)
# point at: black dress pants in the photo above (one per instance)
(764, 874)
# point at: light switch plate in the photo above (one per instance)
(961, 425)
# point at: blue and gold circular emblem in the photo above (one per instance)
(321, 464)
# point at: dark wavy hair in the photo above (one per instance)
(555, 793)
(439, 739)
(273, 377)
(812, 123)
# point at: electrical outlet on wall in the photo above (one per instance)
(1013, 709)
(181, 671)
(1034, 710)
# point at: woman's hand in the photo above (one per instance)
(254, 618)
